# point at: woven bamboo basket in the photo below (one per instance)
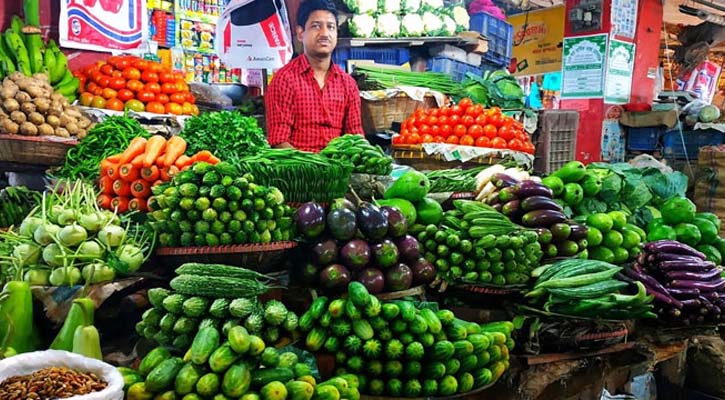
(36, 150)
(416, 157)
(263, 258)
(379, 115)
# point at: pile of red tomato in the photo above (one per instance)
(465, 124)
(128, 82)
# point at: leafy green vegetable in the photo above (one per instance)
(497, 88)
(224, 133)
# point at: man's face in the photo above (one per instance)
(319, 37)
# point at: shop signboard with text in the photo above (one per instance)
(537, 41)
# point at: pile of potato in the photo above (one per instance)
(30, 107)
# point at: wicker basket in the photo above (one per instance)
(37, 150)
(379, 115)
(414, 156)
(263, 258)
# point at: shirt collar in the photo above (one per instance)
(304, 66)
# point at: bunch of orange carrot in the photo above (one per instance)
(127, 178)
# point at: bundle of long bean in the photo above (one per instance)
(385, 78)
(453, 180)
(112, 136)
(299, 175)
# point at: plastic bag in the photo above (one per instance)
(27, 363)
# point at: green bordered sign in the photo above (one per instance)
(583, 67)
(620, 64)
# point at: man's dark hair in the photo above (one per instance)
(307, 7)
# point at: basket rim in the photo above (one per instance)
(226, 249)
(39, 139)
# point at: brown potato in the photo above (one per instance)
(28, 129)
(18, 117)
(35, 91)
(53, 121)
(73, 112)
(17, 76)
(46, 130)
(72, 128)
(41, 104)
(84, 123)
(62, 132)
(66, 119)
(81, 134)
(40, 76)
(36, 118)
(55, 109)
(23, 97)
(11, 105)
(57, 97)
(27, 107)
(8, 92)
(8, 126)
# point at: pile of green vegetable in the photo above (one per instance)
(497, 88)
(589, 288)
(236, 364)
(456, 180)
(357, 151)
(226, 134)
(397, 349)
(375, 78)
(211, 205)
(211, 295)
(301, 176)
(611, 239)
(474, 243)
(68, 240)
(109, 137)
(17, 202)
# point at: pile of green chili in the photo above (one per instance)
(106, 138)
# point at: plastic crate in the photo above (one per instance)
(555, 140)
(672, 143)
(500, 36)
(391, 56)
(644, 139)
(456, 69)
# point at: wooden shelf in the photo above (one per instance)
(405, 42)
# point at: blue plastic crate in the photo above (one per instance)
(693, 141)
(456, 69)
(391, 56)
(496, 59)
(500, 36)
(644, 139)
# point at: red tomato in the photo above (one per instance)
(434, 112)
(431, 120)
(174, 108)
(413, 138)
(123, 63)
(445, 111)
(91, 86)
(134, 85)
(446, 130)
(495, 120)
(131, 73)
(494, 111)
(398, 139)
(140, 64)
(474, 110)
(104, 81)
(114, 104)
(435, 130)
(155, 67)
(152, 87)
(468, 120)
(439, 139)
(166, 76)
(460, 130)
(116, 74)
(481, 119)
(424, 129)
(506, 132)
(515, 144)
(162, 98)
(419, 113)
(490, 131)
(465, 102)
(155, 107)
(109, 93)
(107, 69)
(475, 131)
(125, 95)
(529, 148)
(498, 143)
(466, 140)
(426, 139)
(443, 120)
(452, 139)
(145, 96)
(178, 98)
(456, 110)
(149, 76)
(414, 130)
(454, 120)
(168, 88)
(483, 141)
(117, 83)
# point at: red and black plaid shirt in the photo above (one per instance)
(305, 116)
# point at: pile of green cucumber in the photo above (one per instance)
(357, 151)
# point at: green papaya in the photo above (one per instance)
(412, 186)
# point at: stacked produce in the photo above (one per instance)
(382, 256)
(69, 240)
(50, 383)
(31, 107)
(680, 222)
(532, 205)
(211, 205)
(299, 175)
(485, 186)
(495, 89)
(17, 202)
(127, 178)
(611, 239)
(466, 124)
(397, 349)
(589, 288)
(226, 134)
(236, 364)
(129, 82)
(454, 180)
(687, 289)
(111, 136)
(212, 295)
(412, 18)
(477, 244)
(357, 151)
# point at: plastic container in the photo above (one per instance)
(391, 56)
(456, 69)
(500, 36)
(672, 143)
(644, 139)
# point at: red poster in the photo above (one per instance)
(103, 25)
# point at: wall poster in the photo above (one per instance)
(583, 67)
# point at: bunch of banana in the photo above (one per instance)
(16, 202)
(22, 49)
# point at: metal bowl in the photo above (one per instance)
(234, 91)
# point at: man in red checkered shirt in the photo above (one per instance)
(311, 100)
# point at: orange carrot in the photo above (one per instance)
(120, 203)
(128, 172)
(112, 171)
(106, 184)
(104, 201)
(151, 203)
(137, 204)
(114, 158)
(150, 174)
(105, 165)
(137, 161)
(140, 188)
(175, 148)
(173, 171)
(213, 160)
(165, 176)
(154, 148)
(201, 156)
(136, 147)
(121, 188)
(182, 161)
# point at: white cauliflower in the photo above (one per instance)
(433, 4)
(460, 15)
(362, 25)
(432, 24)
(411, 6)
(392, 6)
(388, 25)
(412, 25)
(362, 6)
(449, 25)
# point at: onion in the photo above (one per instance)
(72, 235)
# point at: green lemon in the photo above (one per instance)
(601, 221)
(619, 219)
(631, 239)
(613, 239)
(601, 253)
(594, 237)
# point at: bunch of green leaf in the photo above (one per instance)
(497, 88)
(224, 133)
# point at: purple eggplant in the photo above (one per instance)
(544, 218)
(706, 303)
(501, 180)
(373, 279)
(497, 207)
(684, 294)
(409, 248)
(511, 208)
(540, 203)
(531, 188)
(691, 303)
(310, 219)
(671, 246)
(653, 287)
(714, 297)
(398, 278)
(701, 266)
(696, 276)
(335, 276)
(578, 231)
(703, 286)
(423, 272)
(673, 257)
